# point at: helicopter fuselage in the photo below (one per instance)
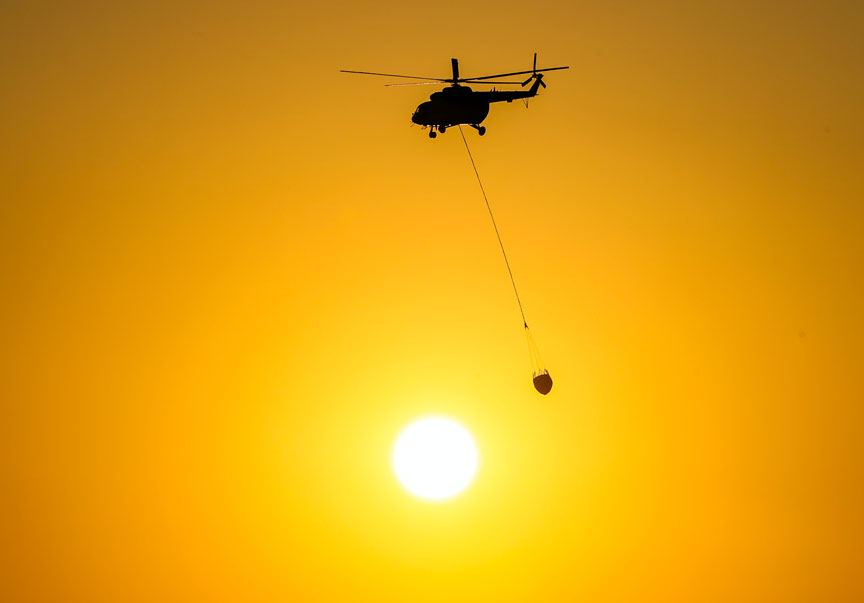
(457, 105)
(452, 106)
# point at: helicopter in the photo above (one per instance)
(458, 104)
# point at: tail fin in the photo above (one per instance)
(538, 81)
(537, 77)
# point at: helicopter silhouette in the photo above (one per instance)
(457, 104)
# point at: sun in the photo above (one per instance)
(435, 458)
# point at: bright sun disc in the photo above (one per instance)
(435, 458)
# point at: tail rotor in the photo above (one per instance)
(534, 75)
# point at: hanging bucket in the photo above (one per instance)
(543, 382)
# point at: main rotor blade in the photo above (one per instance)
(416, 84)
(484, 82)
(413, 77)
(471, 81)
(454, 63)
(489, 77)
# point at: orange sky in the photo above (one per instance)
(232, 274)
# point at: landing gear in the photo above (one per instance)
(442, 129)
(433, 133)
(480, 129)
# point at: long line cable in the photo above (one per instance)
(494, 225)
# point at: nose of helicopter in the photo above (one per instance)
(420, 115)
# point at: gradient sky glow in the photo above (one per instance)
(231, 274)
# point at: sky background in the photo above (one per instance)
(231, 274)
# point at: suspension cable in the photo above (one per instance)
(495, 226)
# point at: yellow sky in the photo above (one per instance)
(232, 274)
